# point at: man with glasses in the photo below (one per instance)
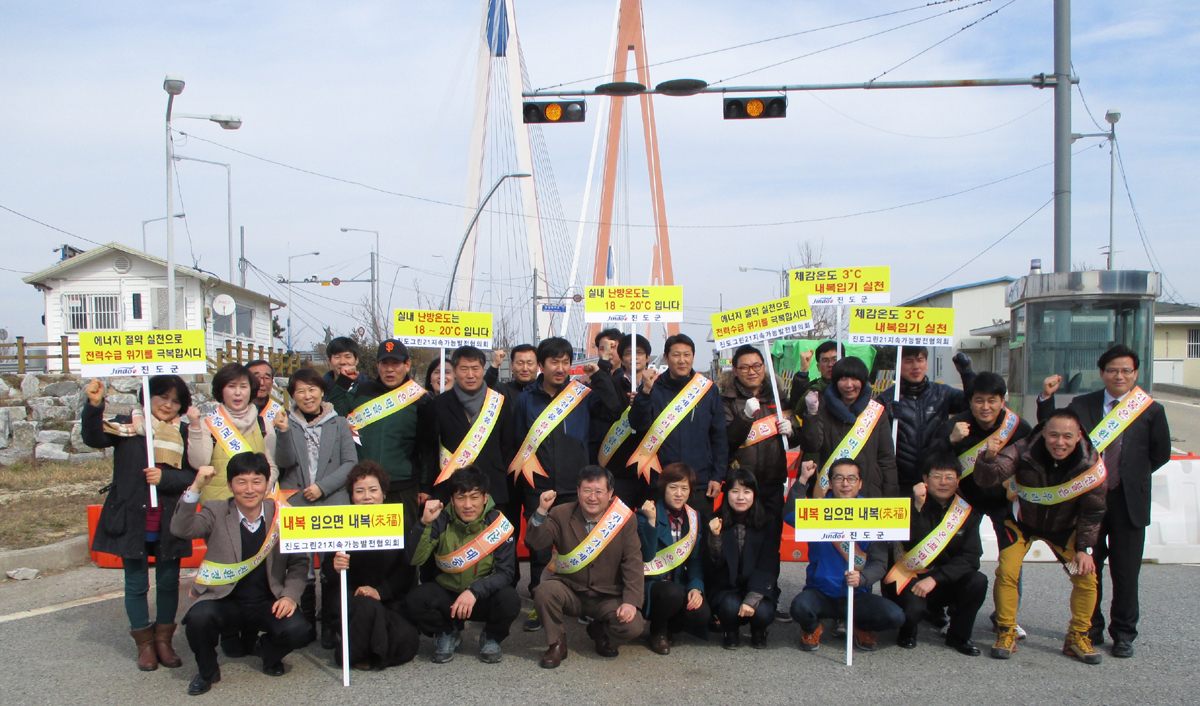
(264, 373)
(827, 357)
(679, 419)
(1136, 442)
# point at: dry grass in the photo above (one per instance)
(29, 475)
(39, 520)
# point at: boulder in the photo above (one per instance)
(50, 436)
(90, 456)
(10, 456)
(125, 384)
(17, 413)
(24, 434)
(51, 452)
(120, 399)
(4, 388)
(30, 385)
(45, 413)
(77, 438)
(62, 388)
(5, 430)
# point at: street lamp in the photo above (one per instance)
(289, 319)
(374, 278)
(173, 85)
(463, 244)
(1112, 116)
(228, 204)
(782, 277)
(160, 218)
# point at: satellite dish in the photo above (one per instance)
(223, 305)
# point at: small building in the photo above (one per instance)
(1177, 345)
(978, 305)
(117, 288)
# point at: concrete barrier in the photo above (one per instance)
(60, 555)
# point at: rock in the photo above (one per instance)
(90, 456)
(24, 434)
(49, 436)
(46, 413)
(61, 388)
(17, 414)
(30, 385)
(77, 439)
(4, 388)
(10, 456)
(22, 574)
(5, 430)
(122, 399)
(125, 384)
(51, 452)
(199, 398)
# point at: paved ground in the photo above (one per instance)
(1183, 415)
(83, 655)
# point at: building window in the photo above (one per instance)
(137, 305)
(240, 323)
(1193, 347)
(93, 312)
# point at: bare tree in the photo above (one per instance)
(808, 257)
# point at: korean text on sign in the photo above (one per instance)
(854, 520)
(118, 353)
(760, 322)
(658, 304)
(834, 286)
(905, 326)
(443, 329)
(341, 528)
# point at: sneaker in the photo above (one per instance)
(444, 646)
(839, 628)
(1079, 646)
(811, 641)
(944, 631)
(1006, 644)
(782, 616)
(585, 620)
(533, 623)
(489, 650)
(865, 640)
(1020, 633)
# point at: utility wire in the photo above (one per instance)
(1137, 218)
(851, 118)
(943, 40)
(47, 225)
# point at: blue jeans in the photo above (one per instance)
(871, 612)
(137, 586)
(727, 603)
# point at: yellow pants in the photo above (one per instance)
(1006, 594)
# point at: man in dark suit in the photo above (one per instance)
(1139, 450)
(242, 541)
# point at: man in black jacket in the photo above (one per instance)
(612, 443)
(523, 368)
(941, 570)
(1139, 450)
(923, 405)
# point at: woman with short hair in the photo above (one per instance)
(233, 426)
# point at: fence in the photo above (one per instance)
(66, 351)
(283, 362)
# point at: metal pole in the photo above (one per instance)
(1039, 81)
(775, 391)
(1062, 136)
(170, 225)
(148, 424)
(345, 629)
(479, 210)
(229, 212)
(850, 614)
(535, 306)
(1112, 190)
(289, 326)
(242, 260)
(375, 285)
(374, 302)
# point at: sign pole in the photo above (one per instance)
(148, 425)
(345, 632)
(837, 336)
(775, 391)
(896, 396)
(850, 614)
(442, 367)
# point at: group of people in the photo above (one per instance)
(648, 500)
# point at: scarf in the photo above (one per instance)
(471, 401)
(168, 442)
(913, 389)
(839, 408)
(312, 435)
(675, 520)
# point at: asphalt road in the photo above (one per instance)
(83, 655)
(1183, 416)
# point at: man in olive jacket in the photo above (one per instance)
(266, 593)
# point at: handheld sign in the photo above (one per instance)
(443, 329)
(760, 322)
(658, 304)
(144, 353)
(902, 326)
(834, 286)
(341, 528)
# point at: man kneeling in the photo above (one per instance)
(598, 570)
(244, 581)
(473, 548)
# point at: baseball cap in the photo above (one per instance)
(394, 349)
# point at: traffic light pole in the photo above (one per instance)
(1038, 81)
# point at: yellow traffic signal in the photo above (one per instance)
(554, 111)
(770, 107)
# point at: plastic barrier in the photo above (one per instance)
(112, 561)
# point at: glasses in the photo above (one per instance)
(592, 493)
(845, 480)
(827, 360)
(943, 477)
(755, 368)
(1119, 371)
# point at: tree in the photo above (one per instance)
(808, 257)
(277, 329)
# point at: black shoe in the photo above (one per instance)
(758, 639)
(328, 637)
(733, 640)
(1097, 638)
(1122, 649)
(234, 647)
(965, 647)
(200, 685)
(908, 642)
(596, 631)
(274, 670)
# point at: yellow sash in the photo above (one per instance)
(1078, 485)
(559, 408)
(917, 559)
(477, 436)
(225, 433)
(646, 456)
(469, 554)
(609, 525)
(674, 555)
(860, 556)
(268, 413)
(617, 434)
(1119, 419)
(855, 439)
(1004, 433)
(762, 429)
(211, 573)
(385, 405)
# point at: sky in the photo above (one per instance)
(381, 93)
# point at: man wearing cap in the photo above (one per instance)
(394, 422)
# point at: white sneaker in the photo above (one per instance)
(1020, 633)
(839, 628)
(585, 620)
(944, 630)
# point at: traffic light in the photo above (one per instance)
(769, 107)
(555, 112)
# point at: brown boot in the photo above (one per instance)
(162, 646)
(555, 654)
(147, 658)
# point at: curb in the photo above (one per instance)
(66, 554)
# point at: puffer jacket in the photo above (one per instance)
(920, 410)
(447, 533)
(765, 459)
(699, 440)
(823, 431)
(1031, 465)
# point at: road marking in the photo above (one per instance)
(1185, 404)
(61, 606)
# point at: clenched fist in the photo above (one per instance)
(994, 444)
(650, 510)
(281, 420)
(812, 401)
(648, 376)
(1050, 386)
(95, 392)
(751, 408)
(547, 501)
(960, 432)
(498, 356)
(714, 525)
(919, 494)
(433, 508)
(807, 469)
(204, 475)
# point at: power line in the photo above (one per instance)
(47, 225)
(851, 118)
(1137, 219)
(943, 40)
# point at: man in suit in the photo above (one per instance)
(1139, 450)
(243, 541)
(604, 584)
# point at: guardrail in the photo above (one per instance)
(22, 356)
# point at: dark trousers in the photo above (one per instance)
(206, 620)
(700, 502)
(668, 611)
(770, 496)
(964, 597)
(429, 605)
(727, 603)
(871, 612)
(632, 491)
(405, 494)
(137, 587)
(538, 559)
(1121, 543)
